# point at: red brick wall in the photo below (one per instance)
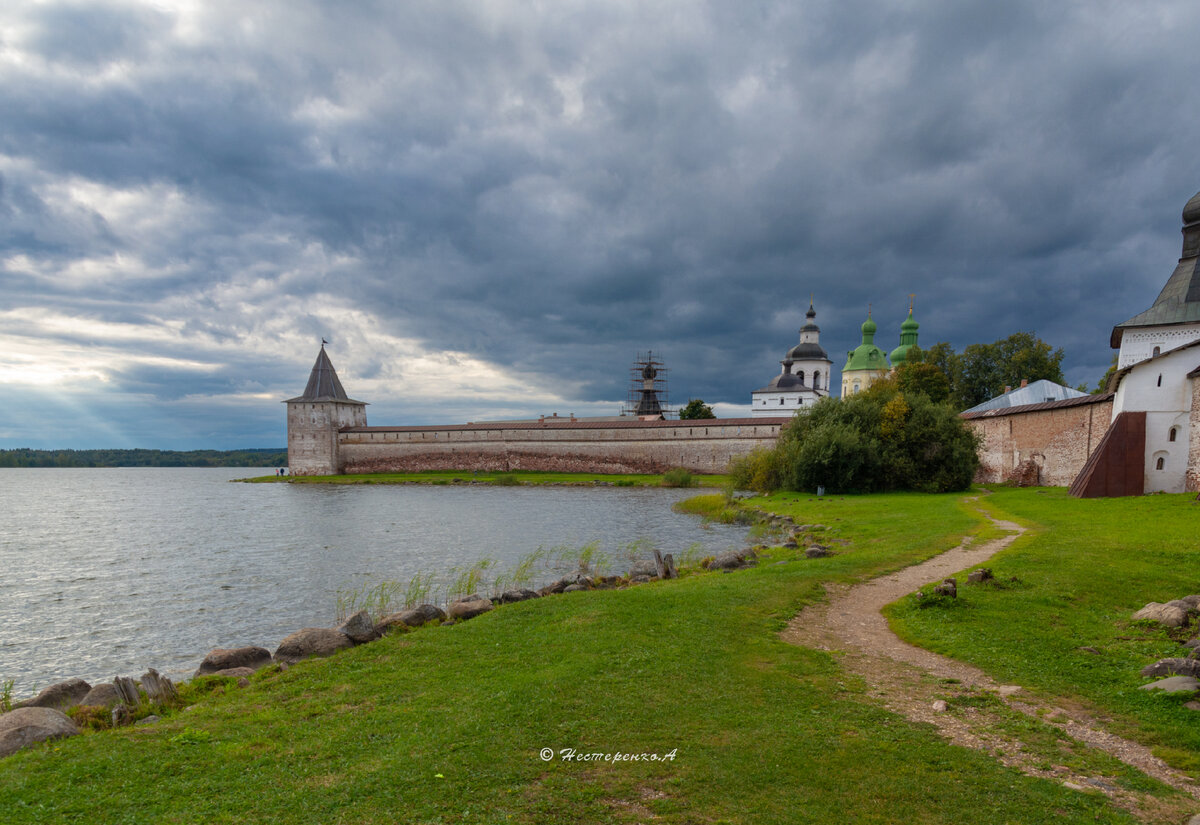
(1058, 440)
(1192, 479)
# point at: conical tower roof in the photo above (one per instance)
(323, 383)
(1179, 301)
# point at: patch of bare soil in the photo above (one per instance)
(962, 702)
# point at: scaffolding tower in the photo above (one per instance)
(648, 397)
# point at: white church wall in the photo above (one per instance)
(1161, 388)
(1139, 344)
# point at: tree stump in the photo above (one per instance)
(128, 691)
(158, 687)
(669, 564)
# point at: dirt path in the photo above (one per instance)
(956, 697)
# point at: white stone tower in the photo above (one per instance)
(314, 419)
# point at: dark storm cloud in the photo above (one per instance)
(552, 189)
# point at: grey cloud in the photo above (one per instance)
(1017, 165)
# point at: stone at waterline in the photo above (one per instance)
(1168, 615)
(103, 695)
(223, 658)
(311, 641)
(1174, 684)
(573, 588)
(62, 695)
(468, 608)
(413, 617)
(518, 594)
(359, 628)
(27, 726)
(733, 560)
(1173, 667)
(645, 567)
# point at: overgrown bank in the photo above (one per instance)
(447, 724)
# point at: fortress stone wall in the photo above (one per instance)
(555, 446)
(1057, 436)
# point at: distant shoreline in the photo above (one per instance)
(250, 457)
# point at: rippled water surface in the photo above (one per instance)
(106, 572)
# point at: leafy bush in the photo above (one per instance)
(679, 477)
(882, 439)
(758, 470)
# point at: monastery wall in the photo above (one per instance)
(1058, 436)
(577, 447)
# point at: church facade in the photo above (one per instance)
(1158, 377)
(803, 380)
(1143, 434)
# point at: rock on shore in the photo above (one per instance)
(311, 641)
(223, 658)
(26, 726)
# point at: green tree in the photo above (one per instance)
(880, 439)
(695, 409)
(929, 377)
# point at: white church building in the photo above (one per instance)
(803, 380)
(1157, 384)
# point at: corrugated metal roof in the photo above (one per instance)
(1045, 405)
(1036, 393)
(567, 424)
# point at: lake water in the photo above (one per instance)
(107, 572)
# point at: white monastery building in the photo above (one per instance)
(1159, 370)
(803, 380)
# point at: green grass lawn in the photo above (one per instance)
(467, 476)
(1073, 582)
(445, 724)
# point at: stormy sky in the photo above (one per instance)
(489, 208)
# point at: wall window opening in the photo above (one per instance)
(1158, 465)
(1171, 435)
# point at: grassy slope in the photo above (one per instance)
(445, 724)
(1086, 567)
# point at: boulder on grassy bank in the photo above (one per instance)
(359, 628)
(311, 641)
(223, 658)
(1173, 667)
(733, 560)
(518, 594)
(1174, 684)
(1172, 614)
(62, 695)
(26, 726)
(413, 617)
(645, 567)
(104, 695)
(468, 608)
